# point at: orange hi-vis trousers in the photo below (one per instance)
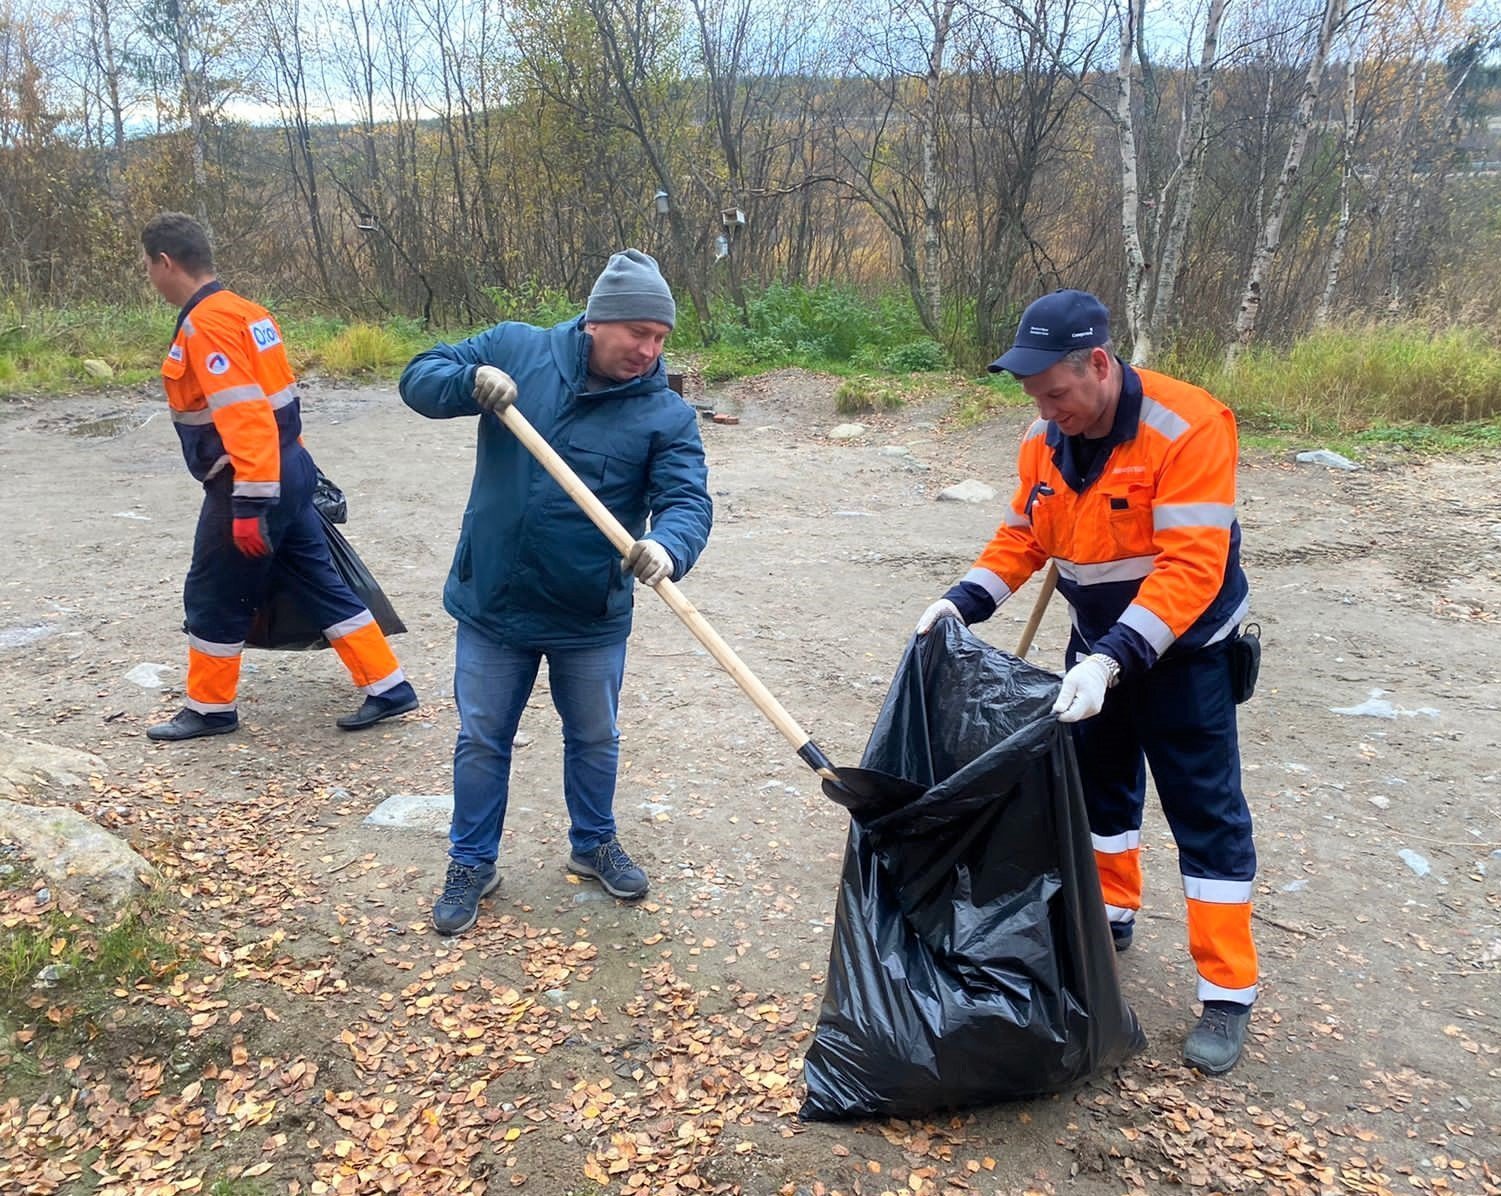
(224, 588)
(1179, 719)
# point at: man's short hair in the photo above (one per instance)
(181, 238)
(1079, 358)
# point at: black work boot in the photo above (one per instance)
(1215, 1044)
(1121, 934)
(189, 724)
(376, 707)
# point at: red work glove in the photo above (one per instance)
(250, 535)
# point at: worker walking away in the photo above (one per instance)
(234, 403)
(1127, 481)
(532, 577)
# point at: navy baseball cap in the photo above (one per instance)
(1052, 326)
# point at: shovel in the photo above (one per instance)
(849, 781)
(1049, 584)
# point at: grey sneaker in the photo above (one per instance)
(615, 870)
(458, 908)
(1215, 1044)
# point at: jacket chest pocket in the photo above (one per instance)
(609, 463)
(1051, 525)
(1128, 515)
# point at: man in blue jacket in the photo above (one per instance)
(533, 577)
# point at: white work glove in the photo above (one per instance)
(942, 609)
(494, 389)
(1084, 686)
(649, 561)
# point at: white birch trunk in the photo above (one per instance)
(1136, 262)
(1271, 232)
(193, 105)
(932, 280)
(1196, 142)
(1342, 228)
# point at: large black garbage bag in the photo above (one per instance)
(972, 961)
(283, 624)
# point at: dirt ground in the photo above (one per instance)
(321, 1038)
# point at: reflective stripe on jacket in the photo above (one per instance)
(233, 396)
(1146, 539)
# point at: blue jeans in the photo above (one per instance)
(491, 685)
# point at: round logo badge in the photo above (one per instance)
(217, 363)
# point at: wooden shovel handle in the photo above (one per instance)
(600, 514)
(1049, 584)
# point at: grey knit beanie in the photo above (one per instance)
(630, 287)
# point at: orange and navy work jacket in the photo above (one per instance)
(1141, 524)
(232, 394)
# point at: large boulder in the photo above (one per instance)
(27, 765)
(77, 855)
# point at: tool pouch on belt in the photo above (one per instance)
(1245, 662)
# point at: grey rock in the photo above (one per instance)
(51, 974)
(77, 854)
(1415, 861)
(968, 490)
(414, 812)
(846, 431)
(28, 764)
(894, 450)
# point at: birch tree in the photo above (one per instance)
(1270, 235)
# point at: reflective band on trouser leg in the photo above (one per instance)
(1117, 858)
(213, 676)
(1219, 938)
(363, 649)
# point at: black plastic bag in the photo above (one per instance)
(972, 961)
(282, 623)
(329, 499)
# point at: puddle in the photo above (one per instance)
(111, 425)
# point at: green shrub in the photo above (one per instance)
(916, 357)
(826, 324)
(532, 303)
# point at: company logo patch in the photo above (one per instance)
(265, 334)
(174, 353)
(1077, 335)
(217, 363)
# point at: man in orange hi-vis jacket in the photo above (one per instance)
(234, 404)
(1127, 481)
